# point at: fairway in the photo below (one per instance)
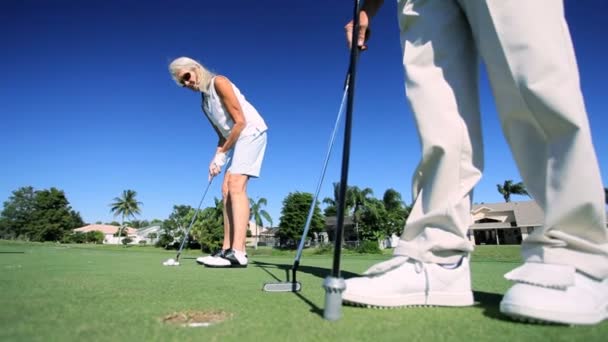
(102, 293)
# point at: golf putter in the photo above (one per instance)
(175, 262)
(294, 285)
(334, 284)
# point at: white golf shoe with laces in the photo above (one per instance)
(556, 294)
(402, 281)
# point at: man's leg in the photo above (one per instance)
(532, 68)
(441, 66)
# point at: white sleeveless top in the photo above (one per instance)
(219, 116)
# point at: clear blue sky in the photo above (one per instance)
(88, 106)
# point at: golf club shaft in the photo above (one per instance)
(181, 246)
(354, 54)
(321, 178)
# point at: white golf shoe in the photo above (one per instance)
(555, 293)
(231, 258)
(202, 260)
(402, 281)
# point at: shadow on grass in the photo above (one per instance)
(12, 252)
(318, 272)
(490, 302)
(315, 271)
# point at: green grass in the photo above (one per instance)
(52, 292)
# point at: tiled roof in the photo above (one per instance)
(526, 213)
(104, 228)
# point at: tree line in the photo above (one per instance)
(46, 215)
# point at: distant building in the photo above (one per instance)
(149, 234)
(349, 233)
(506, 223)
(108, 232)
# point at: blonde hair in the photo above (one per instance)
(187, 63)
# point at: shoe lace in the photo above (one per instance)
(420, 267)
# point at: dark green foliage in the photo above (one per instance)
(397, 212)
(164, 240)
(77, 237)
(327, 248)
(293, 217)
(208, 228)
(80, 237)
(369, 247)
(508, 189)
(257, 214)
(95, 236)
(373, 221)
(126, 241)
(42, 215)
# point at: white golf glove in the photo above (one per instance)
(216, 164)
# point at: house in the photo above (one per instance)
(266, 236)
(108, 232)
(349, 233)
(149, 234)
(259, 235)
(506, 223)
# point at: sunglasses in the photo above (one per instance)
(185, 78)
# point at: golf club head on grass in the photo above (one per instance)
(286, 286)
(171, 262)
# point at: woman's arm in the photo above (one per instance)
(223, 88)
(220, 138)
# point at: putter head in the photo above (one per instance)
(285, 286)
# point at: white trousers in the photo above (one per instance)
(527, 50)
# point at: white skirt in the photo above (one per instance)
(248, 154)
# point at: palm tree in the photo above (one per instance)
(508, 189)
(392, 200)
(332, 203)
(359, 198)
(125, 206)
(257, 213)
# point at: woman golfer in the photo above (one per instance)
(242, 143)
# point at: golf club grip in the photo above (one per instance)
(354, 52)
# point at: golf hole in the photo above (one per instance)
(196, 319)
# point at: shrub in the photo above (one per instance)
(78, 237)
(368, 247)
(326, 248)
(94, 236)
(164, 241)
(127, 241)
